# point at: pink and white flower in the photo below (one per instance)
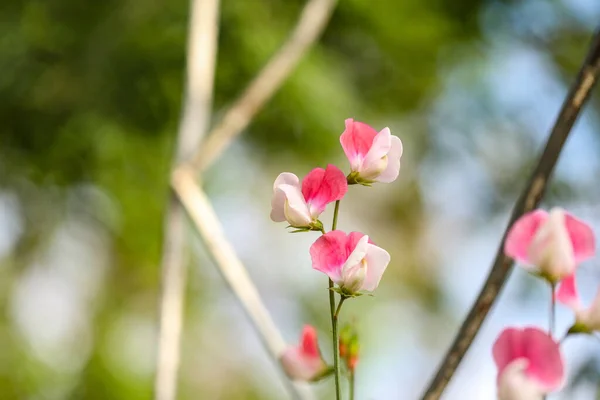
(529, 364)
(586, 319)
(300, 204)
(350, 260)
(304, 362)
(374, 157)
(555, 243)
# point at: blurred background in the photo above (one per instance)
(90, 97)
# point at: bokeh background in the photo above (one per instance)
(90, 98)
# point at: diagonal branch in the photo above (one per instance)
(232, 269)
(311, 24)
(529, 199)
(201, 54)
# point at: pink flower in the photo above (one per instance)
(586, 319)
(351, 261)
(529, 364)
(554, 243)
(374, 157)
(304, 362)
(301, 204)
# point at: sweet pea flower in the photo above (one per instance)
(555, 243)
(374, 157)
(350, 260)
(304, 362)
(529, 364)
(301, 204)
(586, 319)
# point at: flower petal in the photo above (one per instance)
(328, 254)
(309, 342)
(295, 209)
(375, 162)
(513, 384)
(582, 238)
(545, 365)
(521, 235)
(323, 186)
(304, 362)
(392, 170)
(356, 141)
(278, 199)
(567, 293)
(377, 261)
(551, 249)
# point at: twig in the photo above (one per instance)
(529, 199)
(201, 54)
(223, 255)
(312, 22)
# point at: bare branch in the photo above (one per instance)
(201, 54)
(312, 22)
(529, 199)
(232, 269)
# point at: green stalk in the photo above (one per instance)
(333, 313)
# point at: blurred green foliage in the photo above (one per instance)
(90, 95)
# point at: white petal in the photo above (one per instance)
(392, 170)
(295, 208)
(376, 161)
(278, 199)
(377, 261)
(514, 384)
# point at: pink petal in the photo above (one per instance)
(323, 186)
(567, 293)
(582, 238)
(377, 261)
(545, 365)
(278, 199)
(296, 210)
(328, 254)
(356, 141)
(309, 342)
(392, 170)
(545, 360)
(375, 162)
(521, 235)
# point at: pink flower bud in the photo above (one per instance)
(586, 319)
(301, 204)
(529, 364)
(374, 157)
(304, 362)
(351, 261)
(554, 243)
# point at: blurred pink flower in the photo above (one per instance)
(586, 319)
(553, 242)
(351, 261)
(301, 204)
(304, 362)
(529, 364)
(374, 157)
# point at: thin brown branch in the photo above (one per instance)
(311, 24)
(529, 199)
(201, 52)
(223, 255)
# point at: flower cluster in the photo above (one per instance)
(552, 246)
(352, 261)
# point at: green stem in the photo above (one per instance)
(352, 385)
(333, 312)
(336, 348)
(552, 310)
(336, 210)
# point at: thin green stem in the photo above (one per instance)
(336, 348)
(334, 313)
(352, 381)
(552, 310)
(336, 210)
